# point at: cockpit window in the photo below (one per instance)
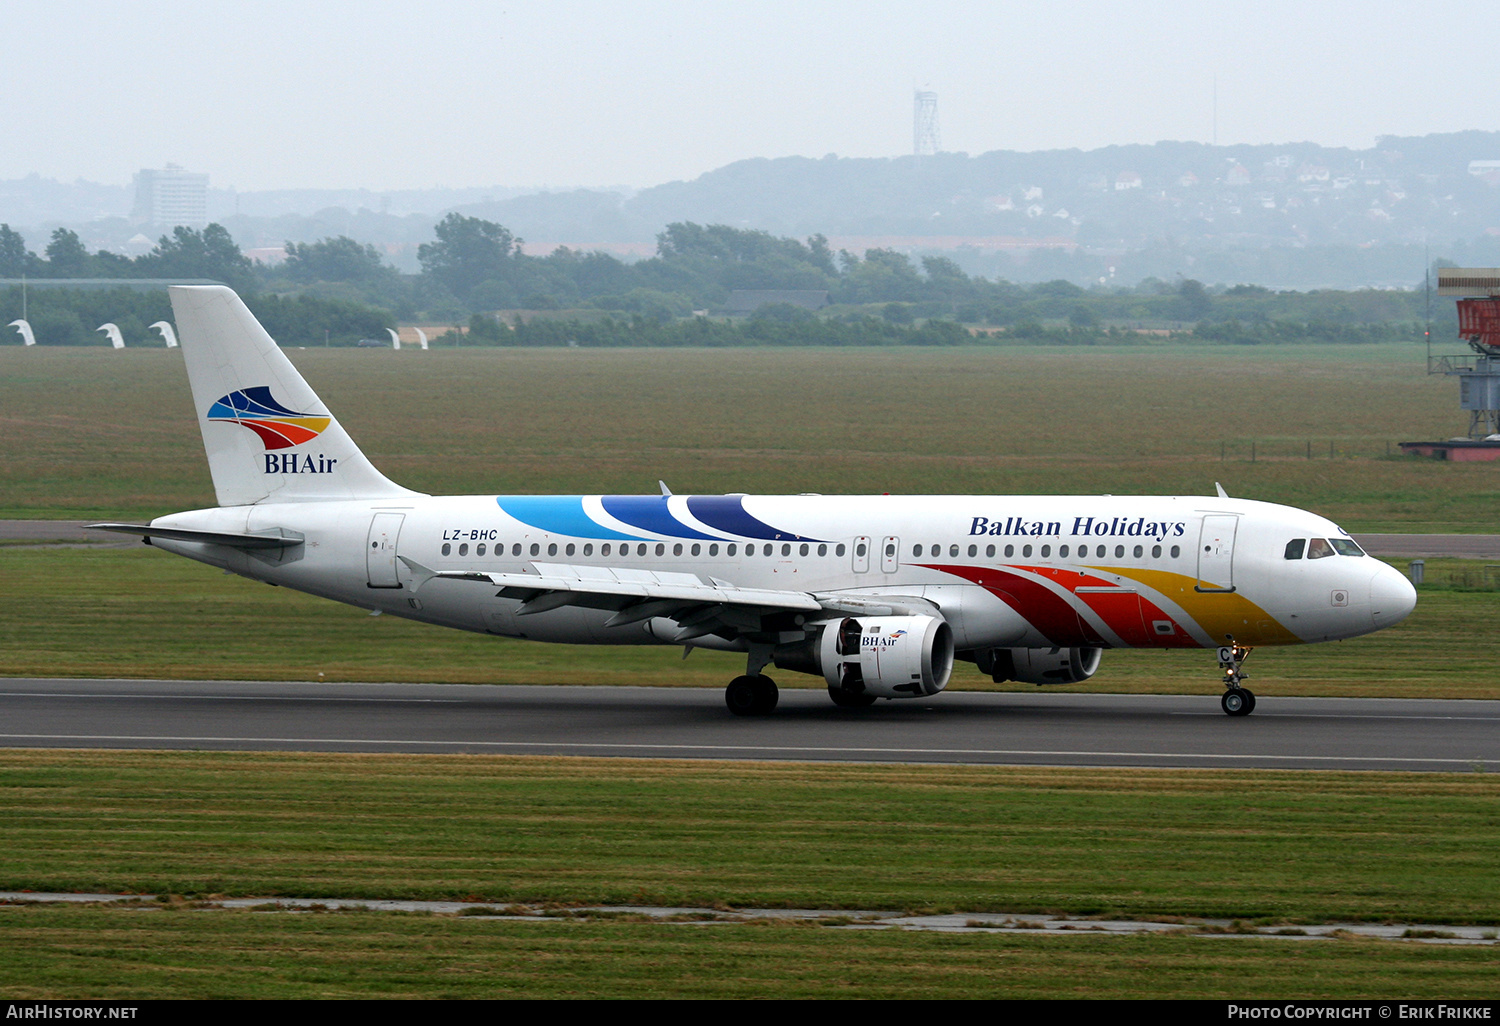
(1345, 547)
(1317, 548)
(1294, 548)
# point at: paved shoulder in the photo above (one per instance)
(1431, 546)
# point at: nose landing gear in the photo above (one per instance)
(1238, 700)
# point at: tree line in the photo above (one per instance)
(339, 289)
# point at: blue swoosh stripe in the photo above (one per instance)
(727, 513)
(556, 514)
(256, 401)
(649, 513)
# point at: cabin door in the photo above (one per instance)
(380, 550)
(1216, 552)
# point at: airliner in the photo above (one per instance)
(879, 595)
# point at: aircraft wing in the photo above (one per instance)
(699, 605)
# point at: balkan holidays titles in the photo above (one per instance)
(1096, 527)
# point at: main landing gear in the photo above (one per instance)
(751, 695)
(1238, 700)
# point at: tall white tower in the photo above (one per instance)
(924, 131)
(171, 196)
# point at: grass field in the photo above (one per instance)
(1270, 848)
(1273, 846)
(131, 955)
(94, 432)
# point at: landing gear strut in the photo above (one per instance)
(1238, 700)
(751, 695)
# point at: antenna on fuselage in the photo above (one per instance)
(1220, 489)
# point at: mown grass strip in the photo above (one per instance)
(93, 953)
(1129, 843)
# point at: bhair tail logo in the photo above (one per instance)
(278, 428)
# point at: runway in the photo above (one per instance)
(1016, 728)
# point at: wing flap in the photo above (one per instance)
(588, 583)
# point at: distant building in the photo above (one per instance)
(1237, 175)
(1127, 180)
(171, 196)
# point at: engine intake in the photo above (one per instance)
(1040, 665)
(881, 656)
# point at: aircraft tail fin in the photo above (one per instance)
(268, 436)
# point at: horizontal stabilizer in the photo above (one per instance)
(279, 540)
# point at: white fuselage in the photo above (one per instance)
(1005, 571)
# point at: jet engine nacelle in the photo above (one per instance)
(1040, 665)
(880, 656)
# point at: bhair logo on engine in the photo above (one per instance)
(278, 428)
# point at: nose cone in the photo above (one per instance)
(1392, 598)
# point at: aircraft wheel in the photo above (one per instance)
(849, 700)
(1237, 702)
(751, 696)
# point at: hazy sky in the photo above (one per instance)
(274, 94)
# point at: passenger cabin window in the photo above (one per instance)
(1294, 548)
(1318, 548)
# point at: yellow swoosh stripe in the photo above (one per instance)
(1218, 613)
